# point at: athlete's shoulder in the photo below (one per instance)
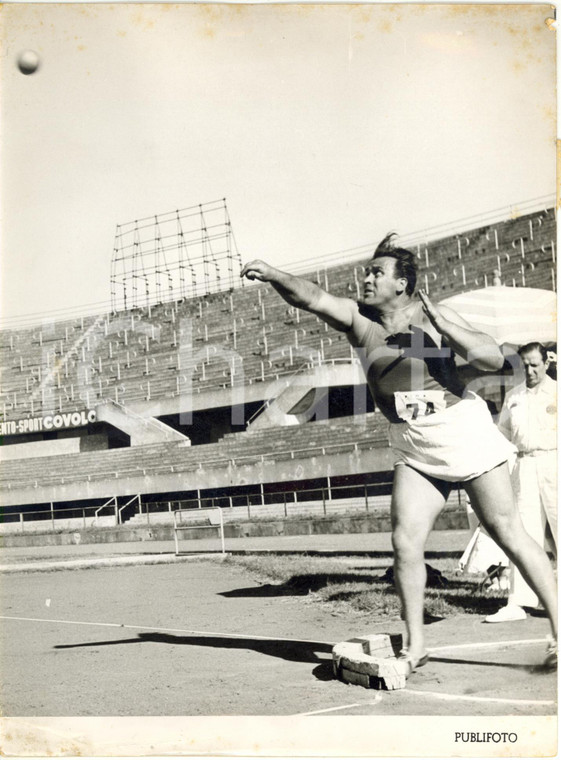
(364, 321)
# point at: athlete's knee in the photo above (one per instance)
(505, 530)
(407, 544)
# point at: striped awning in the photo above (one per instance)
(510, 315)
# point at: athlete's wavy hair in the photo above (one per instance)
(405, 264)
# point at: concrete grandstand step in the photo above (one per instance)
(285, 443)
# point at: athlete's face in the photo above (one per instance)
(534, 367)
(380, 283)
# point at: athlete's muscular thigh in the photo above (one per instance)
(416, 502)
(493, 500)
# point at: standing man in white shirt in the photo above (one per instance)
(529, 420)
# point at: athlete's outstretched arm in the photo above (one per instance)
(337, 312)
(478, 348)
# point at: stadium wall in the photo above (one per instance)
(58, 447)
(221, 474)
(453, 518)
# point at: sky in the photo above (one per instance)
(323, 127)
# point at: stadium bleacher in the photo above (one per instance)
(192, 354)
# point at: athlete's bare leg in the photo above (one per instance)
(493, 501)
(416, 503)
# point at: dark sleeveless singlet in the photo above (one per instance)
(411, 360)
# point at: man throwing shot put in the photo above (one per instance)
(440, 433)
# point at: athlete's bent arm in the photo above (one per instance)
(477, 348)
(337, 312)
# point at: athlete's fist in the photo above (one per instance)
(257, 270)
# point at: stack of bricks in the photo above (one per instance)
(371, 661)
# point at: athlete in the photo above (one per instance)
(440, 433)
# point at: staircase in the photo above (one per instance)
(141, 430)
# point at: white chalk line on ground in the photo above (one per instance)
(436, 695)
(341, 707)
(85, 563)
(160, 629)
(487, 644)
(477, 645)
(472, 698)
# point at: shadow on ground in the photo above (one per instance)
(493, 663)
(315, 653)
(293, 651)
(301, 585)
(471, 602)
(463, 595)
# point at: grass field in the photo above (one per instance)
(351, 586)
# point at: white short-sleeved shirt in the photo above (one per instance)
(529, 416)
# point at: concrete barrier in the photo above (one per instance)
(379, 522)
(60, 524)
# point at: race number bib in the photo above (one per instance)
(413, 405)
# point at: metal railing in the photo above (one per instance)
(46, 520)
(323, 500)
(320, 500)
(215, 520)
(66, 518)
(112, 502)
(136, 498)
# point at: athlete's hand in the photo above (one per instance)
(431, 310)
(257, 270)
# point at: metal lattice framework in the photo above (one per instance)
(180, 254)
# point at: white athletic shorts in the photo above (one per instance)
(455, 444)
